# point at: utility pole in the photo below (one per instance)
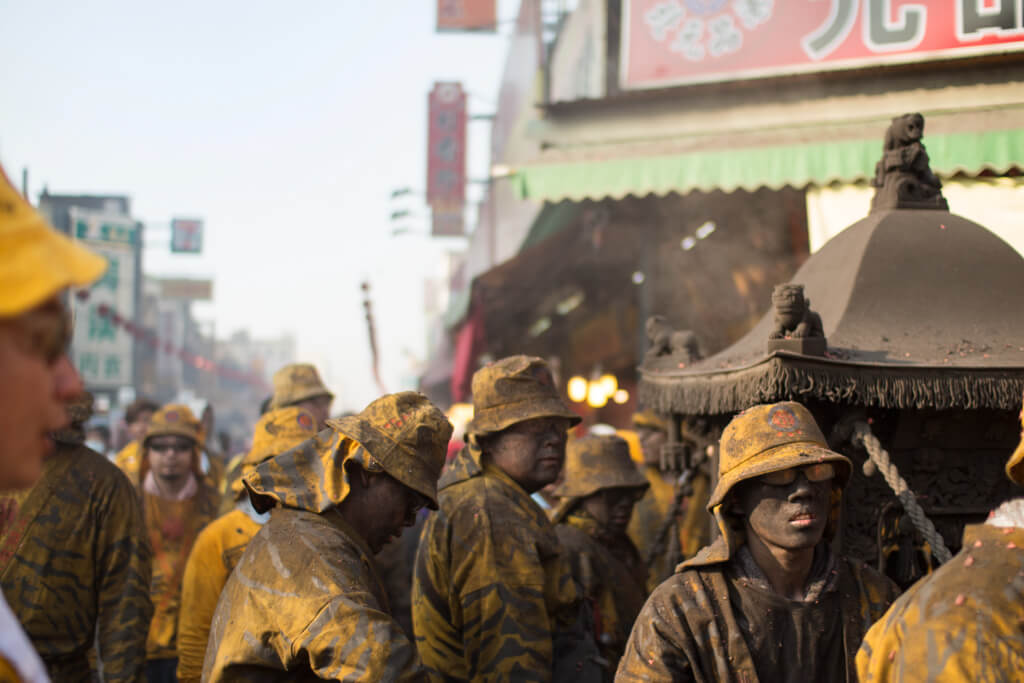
(371, 329)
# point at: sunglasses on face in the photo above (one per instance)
(167, 446)
(538, 427)
(815, 473)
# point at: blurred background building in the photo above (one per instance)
(135, 335)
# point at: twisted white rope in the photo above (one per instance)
(879, 456)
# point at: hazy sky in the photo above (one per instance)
(284, 125)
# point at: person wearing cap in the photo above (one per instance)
(136, 417)
(76, 562)
(963, 622)
(493, 593)
(220, 545)
(305, 601)
(177, 503)
(599, 489)
(299, 384)
(769, 600)
(37, 265)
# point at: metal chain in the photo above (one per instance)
(880, 457)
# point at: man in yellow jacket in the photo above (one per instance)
(221, 544)
(177, 503)
(493, 593)
(965, 621)
(305, 602)
(600, 485)
(37, 265)
(769, 600)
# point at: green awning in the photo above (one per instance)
(750, 168)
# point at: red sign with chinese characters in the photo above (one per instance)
(446, 145)
(466, 15)
(679, 42)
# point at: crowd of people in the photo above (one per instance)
(288, 561)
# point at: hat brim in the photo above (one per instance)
(412, 473)
(627, 481)
(170, 431)
(502, 417)
(777, 459)
(302, 396)
(47, 262)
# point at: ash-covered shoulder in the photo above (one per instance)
(1008, 515)
(487, 505)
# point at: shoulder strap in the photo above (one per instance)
(852, 603)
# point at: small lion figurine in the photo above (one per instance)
(794, 318)
(903, 175)
(681, 345)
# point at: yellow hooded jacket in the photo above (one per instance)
(128, 460)
(221, 544)
(492, 587)
(305, 601)
(964, 622)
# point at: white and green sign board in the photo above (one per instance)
(101, 349)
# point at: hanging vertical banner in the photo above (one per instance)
(466, 15)
(446, 157)
(186, 236)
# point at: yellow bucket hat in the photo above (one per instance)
(636, 451)
(1015, 465)
(37, 261)
(295, 383)
(276, 432)
(771, 438)
(175, 419)
(592, 464)
(760, 440)
(512, 390)
(402, 434)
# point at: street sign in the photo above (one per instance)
(190, 289)
(102, 350)
(187, 235)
